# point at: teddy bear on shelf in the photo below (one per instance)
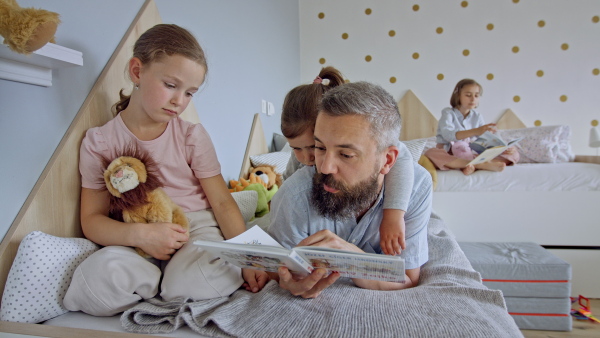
(26, 29)
(136, 193)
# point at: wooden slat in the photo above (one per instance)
(257, 144)
(53, 204)
(39, 330)
(510, 120)
(417, 120)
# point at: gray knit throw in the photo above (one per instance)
(450, 301)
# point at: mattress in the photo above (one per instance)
(571, 176)
(541, 313)
(519, 269)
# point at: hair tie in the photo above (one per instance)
(318, 80)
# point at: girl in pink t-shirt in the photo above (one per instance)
(167, 68)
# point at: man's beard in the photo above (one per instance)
(348, 202)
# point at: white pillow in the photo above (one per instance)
(545, 144)
(247, 201)
(415, 147)
(279, 159)
(40, 275)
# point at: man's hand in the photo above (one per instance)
(392, 232)
(328, 239)
(255, 279)
(308, 287)
(312, 285)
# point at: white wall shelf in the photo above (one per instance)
(37, 67)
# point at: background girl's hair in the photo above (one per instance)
(160, 41)
(455, 98)
(300, 107)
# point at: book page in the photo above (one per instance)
(255, 236)
(260, 257)
(515, 141)
(485, 141)
(488, 155)
(356, 265)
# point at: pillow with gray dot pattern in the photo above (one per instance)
(40, 276)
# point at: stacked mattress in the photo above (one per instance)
(536, 284)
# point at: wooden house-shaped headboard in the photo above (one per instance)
(53, 204)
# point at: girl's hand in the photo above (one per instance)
(509, 151)
(392, 232)
(255, 279)
(491, 127)
(161, 240)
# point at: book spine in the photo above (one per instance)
(301, 261)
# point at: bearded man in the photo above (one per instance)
(338, 203)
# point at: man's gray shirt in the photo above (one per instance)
(294, 218)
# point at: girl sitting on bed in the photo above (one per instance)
(461, 125)
(167, 68)
(298, 118)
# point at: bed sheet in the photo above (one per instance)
(450, 301)
(571, 176)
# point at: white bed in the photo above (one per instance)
(450, 300)
(552, 204)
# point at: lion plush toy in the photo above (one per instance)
(265, 181)
(26, 29)
(136, 194)
(270, 177)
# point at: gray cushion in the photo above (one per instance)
(519, 269)
(541, 313)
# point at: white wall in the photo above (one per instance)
(253, 54)
(34, 119)
(572, 72)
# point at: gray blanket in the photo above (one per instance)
(450, 301)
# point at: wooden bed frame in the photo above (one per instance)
(53, 204)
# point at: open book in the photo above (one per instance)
(255, 249)
(489, 146)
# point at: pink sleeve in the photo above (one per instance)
(90, 159)
(200, 152)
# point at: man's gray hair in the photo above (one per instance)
(372, 102)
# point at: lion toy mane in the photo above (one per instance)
(26, 29)
(137, 196)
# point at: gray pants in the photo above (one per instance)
(115, 278)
